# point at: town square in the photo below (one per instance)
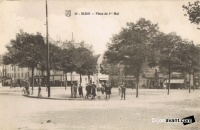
(99, 65)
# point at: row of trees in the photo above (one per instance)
(30, 50)
(141, 43)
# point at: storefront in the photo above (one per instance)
(175, 83)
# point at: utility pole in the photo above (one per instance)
(48, 72)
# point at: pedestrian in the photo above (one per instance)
(87, 91)
(75, 89)
(39, 91)
(93, 84)
(102, 87)
(80, 90)
(27, 85)
(93, 90)
(99, 91)
(123, 92)
(108, 90)
(23, 89)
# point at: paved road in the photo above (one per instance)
(18, 112)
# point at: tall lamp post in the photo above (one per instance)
(48, 72)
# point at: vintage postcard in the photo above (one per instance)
(99, 64)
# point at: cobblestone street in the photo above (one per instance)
(19, 112)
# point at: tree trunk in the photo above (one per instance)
(89, 78)
(71, 85)
(80, 79)
(42, 76)
(61, 81)
(193, 80)
(137, 80)
(32, 79)
(137, 86)
(189, 82)
(169, 80)
(65, 81)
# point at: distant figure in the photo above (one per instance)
(80, 90)
(123, 91)
(108, 90)
(75, 90)
(39, 91)
(93, 91)
(102, 87)
(87, 91)
(99, 91)
(27, 85)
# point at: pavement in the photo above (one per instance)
(60, 93)
(19, 112)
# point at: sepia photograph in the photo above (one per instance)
(99, 65)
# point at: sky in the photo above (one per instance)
(94, 29)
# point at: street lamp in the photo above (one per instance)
(48, 72)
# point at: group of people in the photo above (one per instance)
(92, 90)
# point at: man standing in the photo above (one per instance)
(123, 90)
(99, 91)
(93, 84)
(80, 90)
(93, 91)
(102, 87)
(27, 85)
(108, 90)
(87, 91)
(39, 88)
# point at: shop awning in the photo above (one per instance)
(175, 81)
(103, 79)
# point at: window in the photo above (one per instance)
(22, 74)
(18, 75)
